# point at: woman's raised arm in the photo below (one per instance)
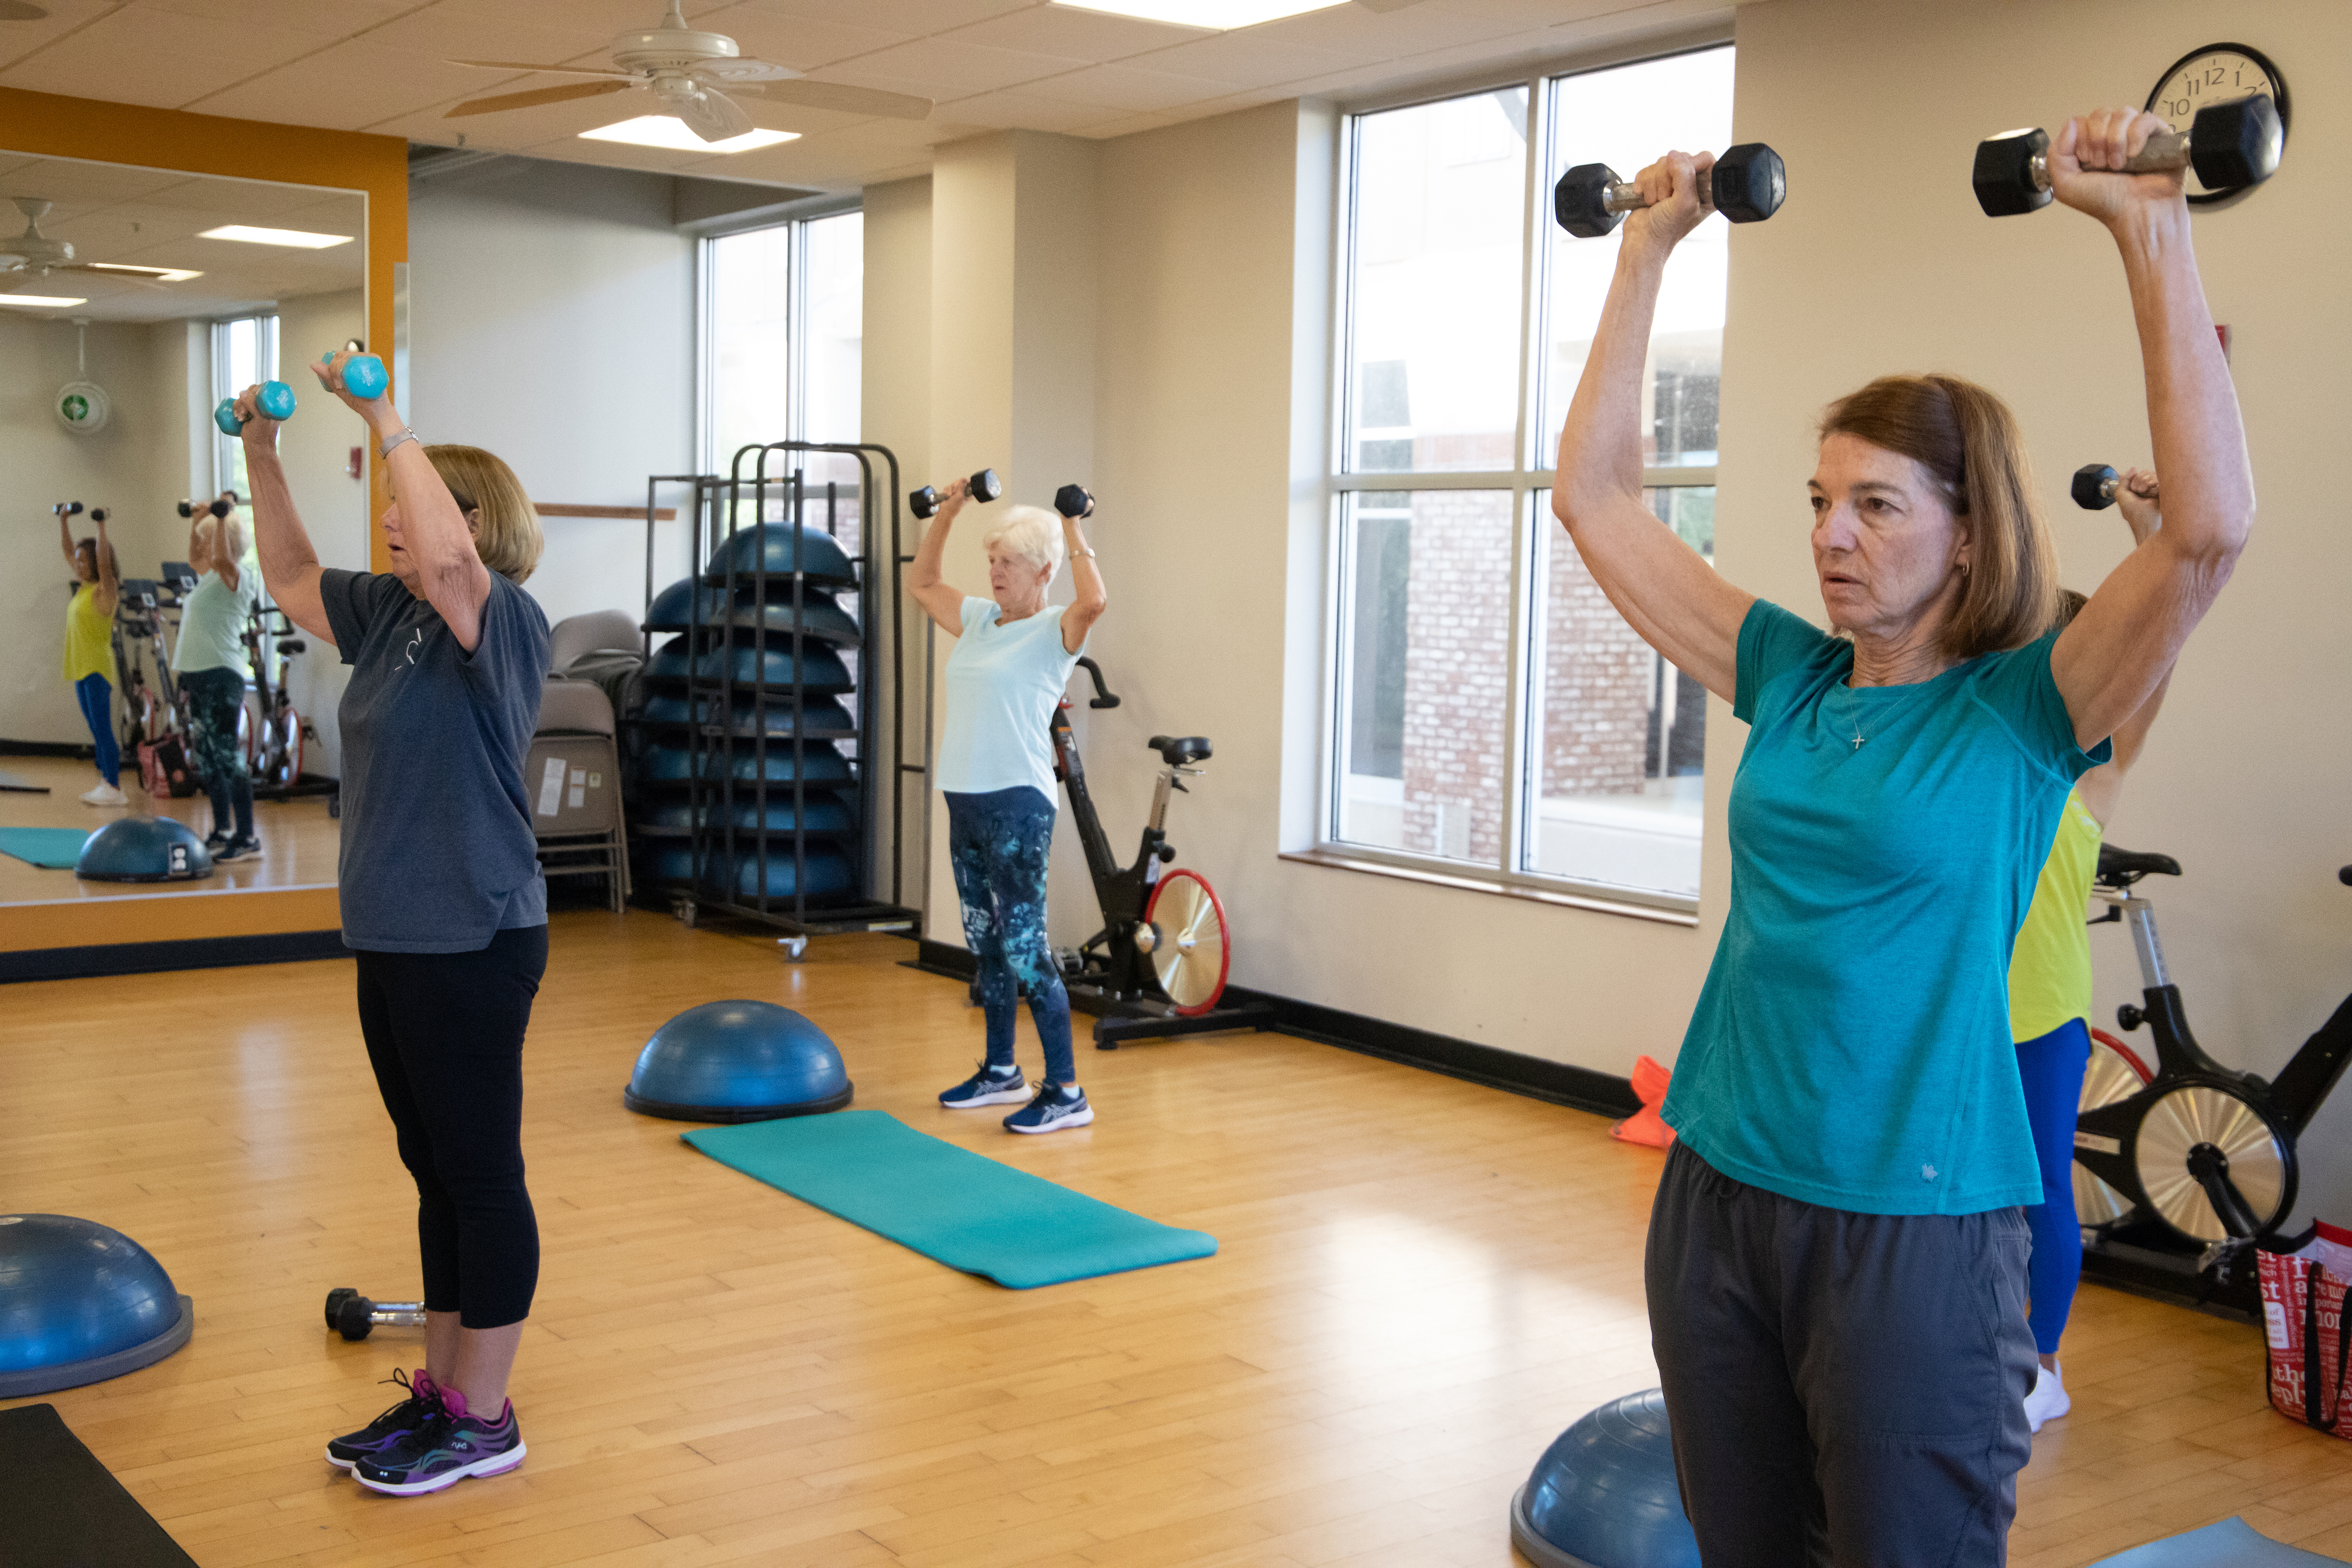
(289, 567)
(941, 600)
(2118, 651)
(1665, 590)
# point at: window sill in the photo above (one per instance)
(1472, 882)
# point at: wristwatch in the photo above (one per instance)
(391, 441)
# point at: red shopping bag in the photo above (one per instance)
(2309, 1340)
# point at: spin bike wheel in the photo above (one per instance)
(284, 745)
(2115, 1072)
(1192, 952)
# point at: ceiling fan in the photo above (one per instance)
(684, 70)
(22, 11)
(35, 255)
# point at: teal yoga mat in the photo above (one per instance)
(2232, 1543)
(961, 1208)
(54, 849)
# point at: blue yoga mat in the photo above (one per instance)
(966, 1210)
(53, 849)
(2232, 1543)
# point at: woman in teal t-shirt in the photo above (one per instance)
(211, 663)
(1837, 1262)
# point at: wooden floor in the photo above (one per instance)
(298, 840)
(1419, 1283)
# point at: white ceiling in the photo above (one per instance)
(382, 65)
(150, 218)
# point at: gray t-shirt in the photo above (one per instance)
(437, 852)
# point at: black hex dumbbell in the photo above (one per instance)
(2230, 145)
(985, 486)
(1073, 501)
(1747, 185)
(354, 1316)
(215, 507)
(2095, 486)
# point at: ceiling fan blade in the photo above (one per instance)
(537, 95)
(1386, 4)
(550, 71)
(22, 11)
(131, 278)
(713, 116)
(844, 100)
(737, 70)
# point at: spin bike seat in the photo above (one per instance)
(1180, 751)
(2121, 868)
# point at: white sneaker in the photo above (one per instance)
(2046, 1401)
(105, 795)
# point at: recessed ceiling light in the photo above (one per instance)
(292, 238)
(48, 301)
(668, 131)
(1221, 15)
(160, 274)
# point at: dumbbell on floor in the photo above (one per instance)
(1747, 185)
(354, 1316)
(1074, 501)
(275, 399)
(985, 486)
(2228, 145)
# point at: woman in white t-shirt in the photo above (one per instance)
(210, 661)
(1014, 654)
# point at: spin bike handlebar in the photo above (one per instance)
(1105, 697)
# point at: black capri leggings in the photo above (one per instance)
(444, 1035)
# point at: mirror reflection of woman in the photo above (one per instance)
(90, 650)
(442, 899)
(210, 660)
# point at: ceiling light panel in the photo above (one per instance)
(295, 240)
(667, 131)
(1221, 15)
(48, 301)
(160, 274)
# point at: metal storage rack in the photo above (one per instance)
(749, 746)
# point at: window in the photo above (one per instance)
(1491, 709)
(784, 333)
(243, 352)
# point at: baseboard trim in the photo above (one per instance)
(1557, 1083)
(47, 748)
(155, 957)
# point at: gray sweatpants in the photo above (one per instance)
(1845, 1388)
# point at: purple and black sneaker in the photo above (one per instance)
(450, 1447)
(408, 1415)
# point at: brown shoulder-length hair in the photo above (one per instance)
(1967, 439)
(508, 537)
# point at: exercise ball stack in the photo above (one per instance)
(751, 699)
(1604, 1494)
(80, 1303)
(737, 1062)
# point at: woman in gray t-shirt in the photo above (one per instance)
(442, 899)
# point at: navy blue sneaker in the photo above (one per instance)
(389, 1428)
(1055, 1109)
(989, 1086)
(450, 1447)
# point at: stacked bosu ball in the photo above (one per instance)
(744, 638)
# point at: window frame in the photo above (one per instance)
(1525, 482)
(266, 329)
(796, 217)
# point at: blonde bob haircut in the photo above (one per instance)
(506, 536)
(1968, 440)
(1031, 534)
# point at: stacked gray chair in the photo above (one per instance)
(573, 778)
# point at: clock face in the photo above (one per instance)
(2217, 73)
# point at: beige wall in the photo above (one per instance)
(1882, 262)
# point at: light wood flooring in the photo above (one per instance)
(298, 840)
(1419, 1283)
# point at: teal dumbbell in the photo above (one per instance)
(364, 375)
(276, 400)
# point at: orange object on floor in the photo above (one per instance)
(1643, 1127)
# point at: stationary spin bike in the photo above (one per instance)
(1157, 966)
(2178, 1169)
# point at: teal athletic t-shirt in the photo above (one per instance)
(1851, 1047)
(1002, 684)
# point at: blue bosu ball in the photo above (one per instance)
(676, 764)
(828, 814)
(820, 558)
(819, 669)
(674, 609)
(738, 1062)
(143, 848)
(829, 873)
(1604, 1494)
(80, 1303)
(817, 716)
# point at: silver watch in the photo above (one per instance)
(393, 441)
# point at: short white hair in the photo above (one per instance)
(1031, 534)
(230, 536)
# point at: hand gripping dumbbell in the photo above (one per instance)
(354, 1316)
(1747, 185)
(68, 508)
(215, 507)
(276, 398)
(2230, 145)
(364, 375)
(2095, 486)
(985, 486)
(1074, 501)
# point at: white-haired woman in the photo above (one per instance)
(1014, 654)
(211, 663)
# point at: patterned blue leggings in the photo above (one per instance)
(998, 844)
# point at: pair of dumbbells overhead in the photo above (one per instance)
(1070, 500)
(1747, 185)
(2229, 146)
(363, 377)
(354, 1316)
